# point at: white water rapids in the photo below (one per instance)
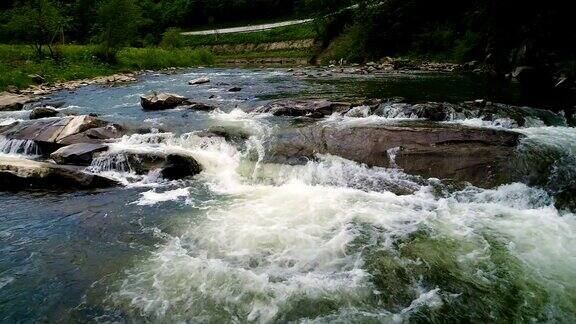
(297, 243)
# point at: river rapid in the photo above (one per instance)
(249, 241)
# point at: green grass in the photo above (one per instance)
(287, 33)
(78, 62)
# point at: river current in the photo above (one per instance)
(248, 241)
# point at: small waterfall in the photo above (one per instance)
(18, 147)
(111, 162)
(392, 156)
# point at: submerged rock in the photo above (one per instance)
(77, 154)
(308, 108)
(162, 101)
(235, 89)
(43, 112)
(479, 156)
(20, 173)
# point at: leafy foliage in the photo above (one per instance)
(172, 38)
(38, 22)
(118, 22)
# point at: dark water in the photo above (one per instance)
(238, 247)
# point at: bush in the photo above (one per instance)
(172, 38)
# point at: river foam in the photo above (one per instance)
(327, 240)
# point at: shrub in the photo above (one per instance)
(172, 38)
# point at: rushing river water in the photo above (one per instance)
(250, 241)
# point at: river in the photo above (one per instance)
(248, 241)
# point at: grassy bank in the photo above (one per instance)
(78, 62)
(280, 34)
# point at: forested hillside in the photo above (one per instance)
(81, 23)
(527, 40)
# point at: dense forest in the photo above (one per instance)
(501, 36)
(81, 23)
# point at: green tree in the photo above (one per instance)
(118, 22)
(172, 38)
(39, 22)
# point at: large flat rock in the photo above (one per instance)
(77, 154)
(19, 173)
(479, 156)
(64, 131)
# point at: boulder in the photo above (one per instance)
(199, 81)
(308, 108)
(201, 106)
(10, 101)
(43, 112)
(172, 166)
(359, 111)
(20, 173)
(77, 154)
(52, 134)
(162, 101)
(479, 156)
(180, 166)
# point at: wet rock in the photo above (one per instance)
(10, 101)
(229, 133)
(360, 111)
(162, 101)
(95, 135)
(199, 81)
(171, 166)
(77, 154)
(522, 116)
(307, 108)
(180, 166)
(434, 111)
(19, 173)
(43, 112)
(479, 156)
(395, 110)
(52, 134)
(201, 106)
(235, 89)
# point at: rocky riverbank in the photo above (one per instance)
(15, 99)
